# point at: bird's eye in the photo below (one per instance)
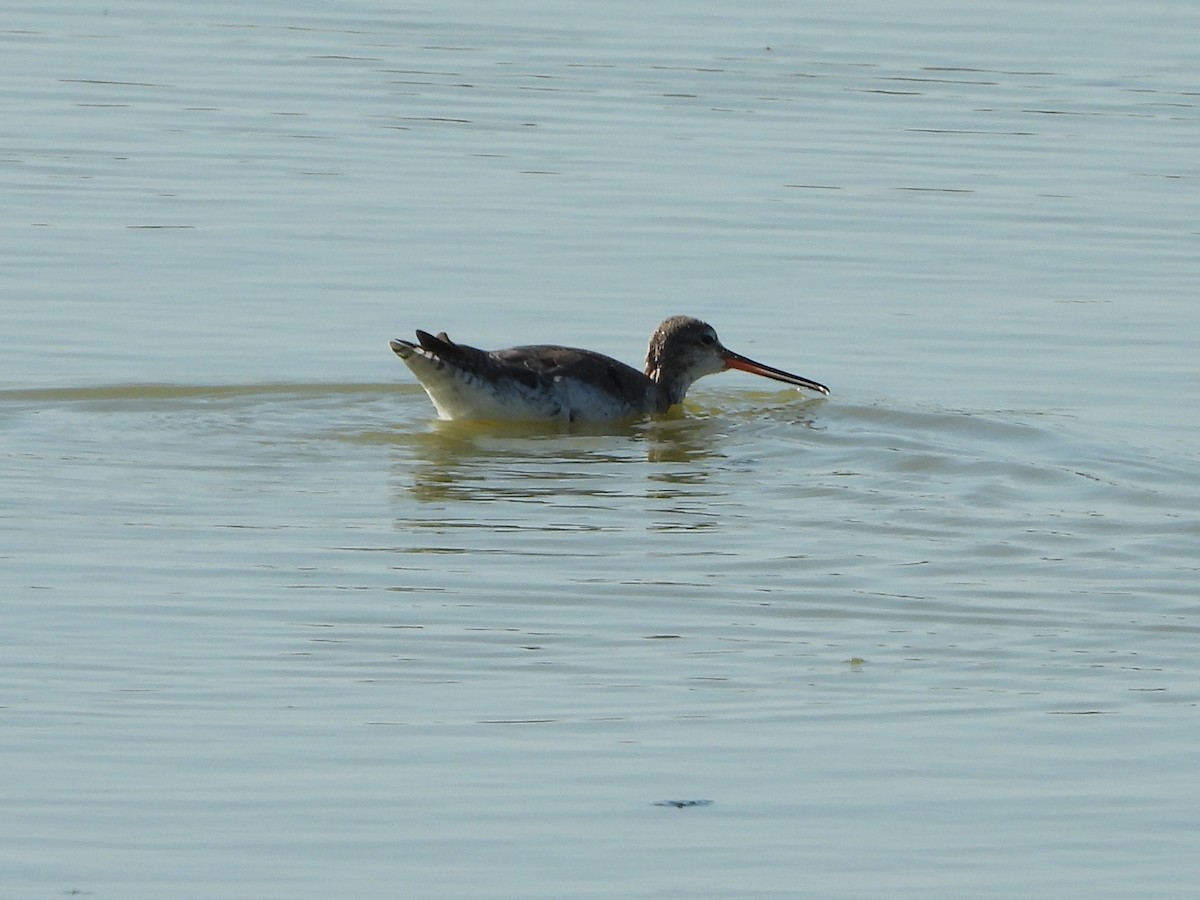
(708, 339)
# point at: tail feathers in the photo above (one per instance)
(439, 344)
(434, 347)
(443, 351)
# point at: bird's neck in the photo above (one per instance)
(672, 386)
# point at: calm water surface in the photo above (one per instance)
(270, 631)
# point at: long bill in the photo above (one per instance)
(745, 364)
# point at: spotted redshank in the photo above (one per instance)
(562, 384)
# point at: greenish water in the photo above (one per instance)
(272, 631)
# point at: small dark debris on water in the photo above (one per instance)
(1078, 712)
(684, 804)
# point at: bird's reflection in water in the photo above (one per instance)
(486, 462)
(645, 464)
